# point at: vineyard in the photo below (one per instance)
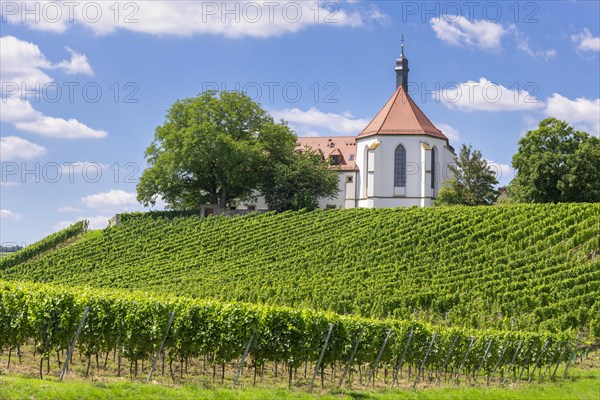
(523, 267)
(46, 244)
(134, 327)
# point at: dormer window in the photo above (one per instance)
(335, 159)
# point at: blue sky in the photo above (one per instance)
(84, 85)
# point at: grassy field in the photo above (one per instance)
(584, 384)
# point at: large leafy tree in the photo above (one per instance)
(213, 148)
(472, 183)
(556, 163)
(300, 182)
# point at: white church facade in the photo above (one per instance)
(398, 160)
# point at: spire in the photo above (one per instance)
(402, 69)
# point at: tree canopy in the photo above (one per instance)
(220, 149)
(472, 183)
(300, 183)
(556, 163)
(211, 149)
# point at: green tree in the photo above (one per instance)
(212, 148)
(300, 182)
(556, 163)
(472, 183)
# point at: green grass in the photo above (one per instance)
(582, 385)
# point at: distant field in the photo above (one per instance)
(532, 267)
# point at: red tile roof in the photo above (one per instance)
(333, 145)
(401, 116)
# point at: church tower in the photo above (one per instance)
(402, 69)
(401, 156)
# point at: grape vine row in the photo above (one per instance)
(134, 324)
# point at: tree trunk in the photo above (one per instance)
(224, 195)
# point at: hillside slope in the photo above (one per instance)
(516, 267)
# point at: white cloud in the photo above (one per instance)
(459, 31)
(523, 45)
(486, 35)
(41, 17)
(68, 209)
(60, 128)
(449, 131)
(96, 222)
(585, 41)
(7, 214)
(582, 113)
(114, 200)
(24, 63)
(237, 19)
(25, 66)
(25, 118)
(308, 123)
(78, 64)
(13, 147)
(486, 96)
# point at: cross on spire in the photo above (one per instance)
(402, 45)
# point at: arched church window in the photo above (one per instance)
(400, 167)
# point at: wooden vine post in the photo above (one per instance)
(355, 348)
(312, 382)
(463, 361)
(512, 362)
(395, 378)
(160, 347)
(72, 347)
(241, 365)
(420, 371)
(437, 381)
(387, 337)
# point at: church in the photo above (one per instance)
(398, 160)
